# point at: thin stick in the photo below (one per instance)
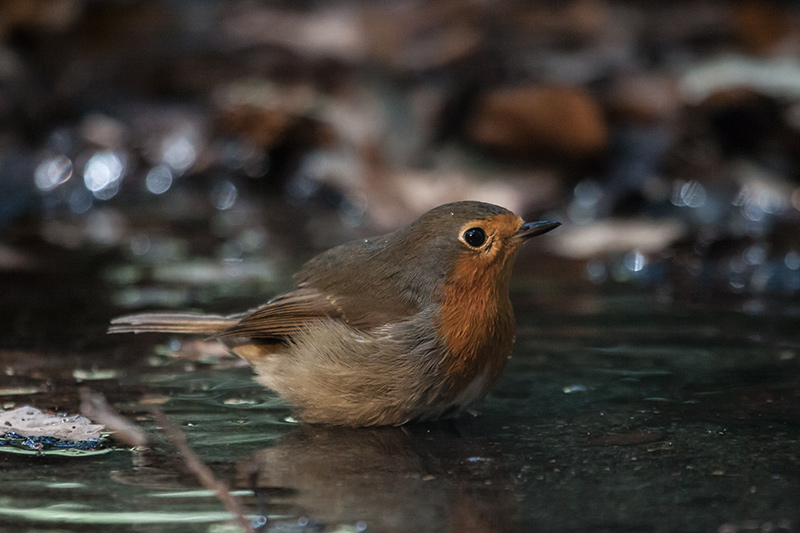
(95, 407)
(201, 471)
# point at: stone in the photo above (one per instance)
(540, 120)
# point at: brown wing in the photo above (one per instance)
(284, 316)
(290, 313)
(358, 282)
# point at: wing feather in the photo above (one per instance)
(285, 315)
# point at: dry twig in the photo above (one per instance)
(95, 407)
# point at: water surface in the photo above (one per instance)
(621, 410)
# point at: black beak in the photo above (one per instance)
(532, 229)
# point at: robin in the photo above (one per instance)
(414, 325)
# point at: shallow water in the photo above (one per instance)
(621, 410)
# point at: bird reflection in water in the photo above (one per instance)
(446, 471)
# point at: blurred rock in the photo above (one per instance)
(573, 22)
(410, 193)
(540, 120)
(778, 77)
(46, 14)
(765, 26)
(422, 35)
(615, 236)
(266, 112)
(671, 29)
(644, 97)
(264, 127)
(333, 31)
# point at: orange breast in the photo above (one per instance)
(476, 322)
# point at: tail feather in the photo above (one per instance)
(172, 323)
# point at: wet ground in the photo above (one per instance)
(621, 410)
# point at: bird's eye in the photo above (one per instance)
(475, 237)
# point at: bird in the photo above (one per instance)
(414, 325)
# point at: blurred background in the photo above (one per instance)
(237, 133)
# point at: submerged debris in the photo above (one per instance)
(31, 429)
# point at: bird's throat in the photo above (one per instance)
(476, 323)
